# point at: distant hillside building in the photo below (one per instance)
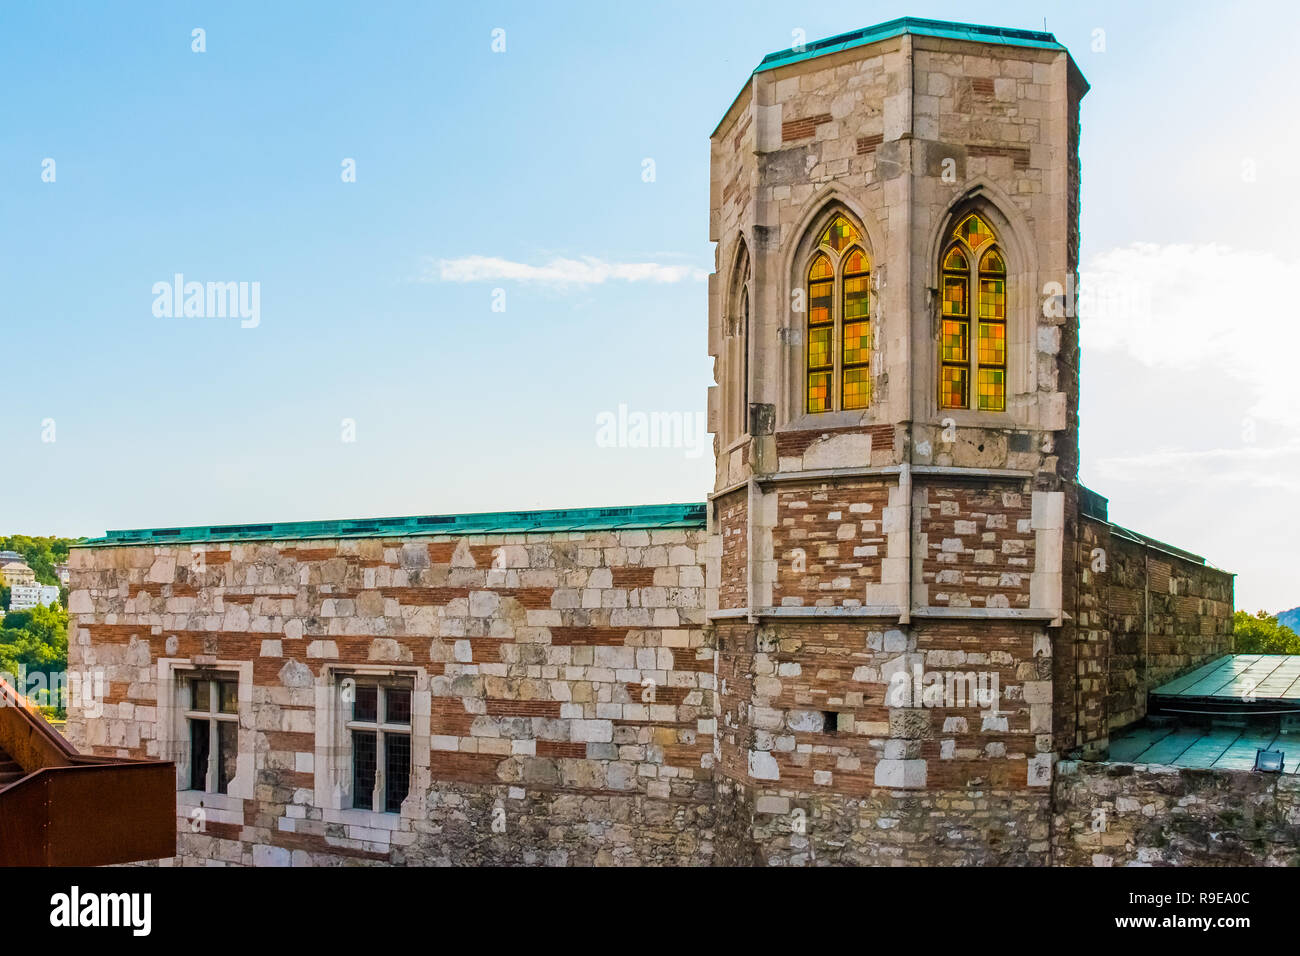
(895, 620)
(25, 596)
(14, 569)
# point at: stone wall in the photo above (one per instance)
(1125, 815)
(1144, 615)
(563, 690)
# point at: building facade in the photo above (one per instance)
(896, 613)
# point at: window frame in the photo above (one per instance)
(383, 729)
(214, 716)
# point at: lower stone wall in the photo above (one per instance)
(472, 825)
(1141, 815)
(898, 828)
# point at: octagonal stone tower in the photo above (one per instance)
(896, 439)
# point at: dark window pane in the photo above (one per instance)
(198, 755)
(397, 703)
(397, 770)
(363, 768)
(365, 706)
(199, 695)
(229, 697)
(227, 751)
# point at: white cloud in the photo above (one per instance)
(1251, 466)
(559, 271)
(1220, 314)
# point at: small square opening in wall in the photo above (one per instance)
(830, 722)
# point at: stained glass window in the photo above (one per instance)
(821, 332)
(992, 355)
(839, 234)
(856, 359)
(839, 321)
(988, 363)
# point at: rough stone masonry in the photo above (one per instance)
(893, 619)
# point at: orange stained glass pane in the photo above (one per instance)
(993, 343)
(993, 298)
(821, 269)
(992, 390)
(953, 344)
(857, 298)
(857, 387)
(974, 231)
(819, 348)
(857, 342)
(819, 391)
(840, 233)
(954, 295)
(993, 263)
(856, 263)
(819, 302)
(952, 386)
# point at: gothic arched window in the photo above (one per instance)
(740, 329)
(838, 358)
(973, 260)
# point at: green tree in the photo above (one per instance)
(40, 553)
(1261, 633)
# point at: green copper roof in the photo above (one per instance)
(495, 522)
(914, 25)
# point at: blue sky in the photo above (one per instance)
(225, 166)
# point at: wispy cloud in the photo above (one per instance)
(558, 272)
(1248, 465)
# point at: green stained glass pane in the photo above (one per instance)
(954, 295)
(857, 299)
(857, 342)
(819, 348)
(857, 387)
(993, 299)
(953, 386)
(953, 343)
(955, 261)
(992, 390)
(819, 391)
(993, 343)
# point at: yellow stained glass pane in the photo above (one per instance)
(955, 261)
(857, 298)
(953, 342)
(857, 342)
(952, 386)
(992, 390)
(819, 302)
(821, 269)
(993, 263)
(954, 295)
(856, 263)
(974, 231)
(819, 348)
(993, 343)
(840, 233)
(857, 387)
(993, 298)
(819, 391)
